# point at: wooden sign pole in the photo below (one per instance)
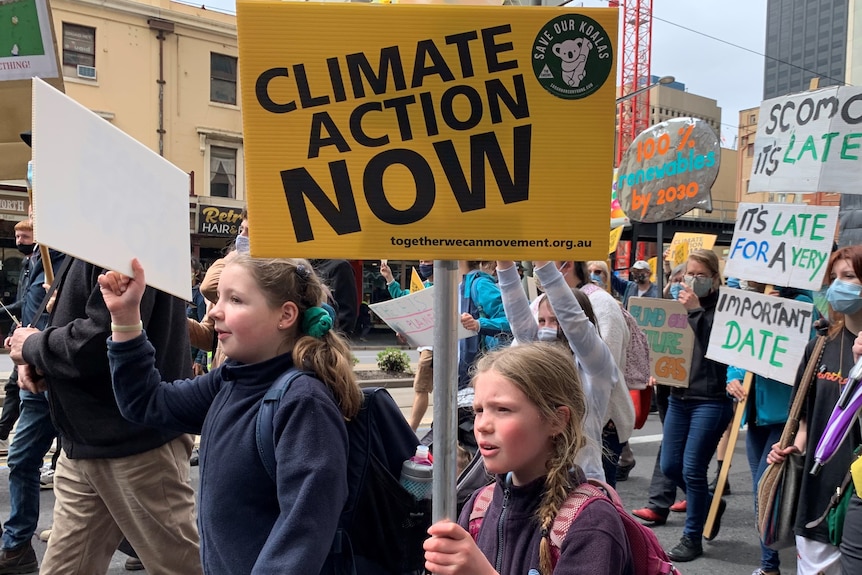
(728, 457)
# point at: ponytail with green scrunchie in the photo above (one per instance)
(318, 320)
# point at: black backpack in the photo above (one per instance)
(382, 526)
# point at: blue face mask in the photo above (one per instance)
(547, 334)
(844, 297)
(426, 270)
(675, 289)
(597, 278)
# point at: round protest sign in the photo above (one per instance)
(668, 170)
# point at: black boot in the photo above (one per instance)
(21, 560)
(714, 483)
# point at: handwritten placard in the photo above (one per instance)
(669, 170)
(763, 334)
(413, 317)
(789, 244)
(809, 142)
(671, 340)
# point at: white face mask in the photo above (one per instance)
(242, 244)
(547, 334)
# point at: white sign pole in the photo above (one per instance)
(447, 312)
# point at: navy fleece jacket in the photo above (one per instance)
(248, 523)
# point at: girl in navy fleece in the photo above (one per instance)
(268, 318)
(530, 408)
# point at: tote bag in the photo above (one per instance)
(778, 489)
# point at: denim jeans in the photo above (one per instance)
(33, 438)
(759, 440)
(692, 430)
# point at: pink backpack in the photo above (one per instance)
(648, 556)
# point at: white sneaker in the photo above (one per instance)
(46, 481)
(44, 535)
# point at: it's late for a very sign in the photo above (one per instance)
(760, 333)
(787, 244)
(438, 131)
(809, 142)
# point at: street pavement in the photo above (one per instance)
(734, 552)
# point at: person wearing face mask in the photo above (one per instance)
(11, 405)
(599, 274)
(699, 414)
(567, 312)
(638, 286)
(674, 283)
(35, 431)
(815, 553)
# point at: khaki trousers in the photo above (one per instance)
(147, 497)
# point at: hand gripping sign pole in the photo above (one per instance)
(445, 389)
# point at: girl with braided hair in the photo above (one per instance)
(530, 407)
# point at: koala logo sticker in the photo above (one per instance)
(572, 56)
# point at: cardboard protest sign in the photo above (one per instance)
(108, 198)
(412, 316)
(809, 142)
(679, 254)
(416, 282)
(26, 40)
(430, 131)
(669, 170)
(782, 244)
(671, 340)
(763, 334)
(27, 50)
(694, 242)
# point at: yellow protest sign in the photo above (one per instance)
(679, 254)
(694, 241)
(416, 282)
(616, 234)
(652, 266)
(431, 131)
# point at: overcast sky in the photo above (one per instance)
(732, 76)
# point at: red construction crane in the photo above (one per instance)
(633, 114)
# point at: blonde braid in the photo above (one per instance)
(557, 487)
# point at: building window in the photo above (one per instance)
(223, 162)
(752, 119)
(79, 48)
(222, 78)
(749, 150)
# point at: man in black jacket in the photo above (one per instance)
(114, 477)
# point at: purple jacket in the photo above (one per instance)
(596, 542)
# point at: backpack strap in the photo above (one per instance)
(265, 416)
(582, 496)
(480, 508)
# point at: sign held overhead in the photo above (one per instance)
(430, 131)
(108, 198)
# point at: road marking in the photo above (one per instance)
(645, 439)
